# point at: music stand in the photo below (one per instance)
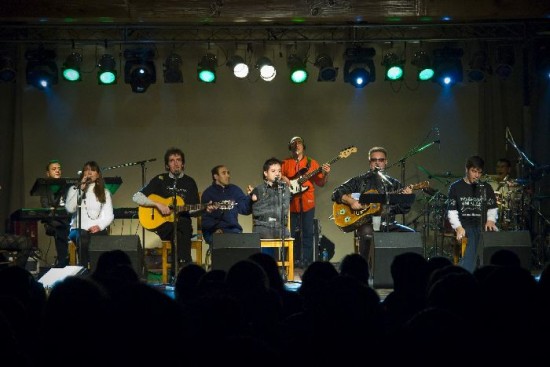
(387, 199)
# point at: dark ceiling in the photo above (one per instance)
(174, 21)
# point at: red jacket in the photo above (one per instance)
(290, 169)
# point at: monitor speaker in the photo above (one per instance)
(130, 244)
(387, 245)
(228, 248)
(518, 242)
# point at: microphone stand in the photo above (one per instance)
(281, 189)
(143, 170)
(411, 153)
(175, 231)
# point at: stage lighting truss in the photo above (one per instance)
(41, 69)
(359, 67)
(479, 67)
(172, 69)
(238, 66)
(107, 73)
(206, 69)
(266, 68)
(7, 69)
(139, 70)
(394, 66)
(71, 67)
(297, 66)
(448, 66)
(327, 71)
(504, 62)
(423, 64)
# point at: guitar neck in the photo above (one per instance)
(190, 207)
(307, 176)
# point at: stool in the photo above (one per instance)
(72, 253)
(289, 246)
(166, 249)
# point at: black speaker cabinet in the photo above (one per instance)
(228, 248)
(387, 245)
(516, 241)
(130, 244)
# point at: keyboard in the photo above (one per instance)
(35, 214)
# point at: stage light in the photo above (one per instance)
(238, 66)
(422, 61)
(448, 66)
(71, 67)
(327, 71)
(297, 66)
(107, 73)
(504, 62)
(172, 69)
(359, 67)
(394, 66)
(206, 69)
(7, 69)
(41, 69)
(139, 70)
(267, 70)
(479, 67)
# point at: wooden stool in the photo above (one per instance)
(72, 253)
(166, 249)
(288, 264)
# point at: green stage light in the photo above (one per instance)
(206, 69)
(107, 73)
(422, 61)
(71, 67)
(394, 67)
(298, 72)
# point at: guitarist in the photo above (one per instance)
(302, 204)
(372, 181)
(186, 188)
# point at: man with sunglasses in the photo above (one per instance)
(375, 181)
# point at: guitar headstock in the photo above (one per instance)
(347, 152)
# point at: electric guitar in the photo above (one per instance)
(295, 185)
(151, 218)
(349, 220)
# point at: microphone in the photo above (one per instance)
(383, 176)
(78, 173)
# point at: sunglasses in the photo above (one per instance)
(378, 159)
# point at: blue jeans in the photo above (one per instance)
(303, 222)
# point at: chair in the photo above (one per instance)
(288, 247)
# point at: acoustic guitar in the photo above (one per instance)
(151, 218)
(301, 177)
(349, 220)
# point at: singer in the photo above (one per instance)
(374, 180)
(270, 203)
(172, 184)
(472, 208)
(95, 213)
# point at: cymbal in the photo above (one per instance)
(447, 174)
(444, 179)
